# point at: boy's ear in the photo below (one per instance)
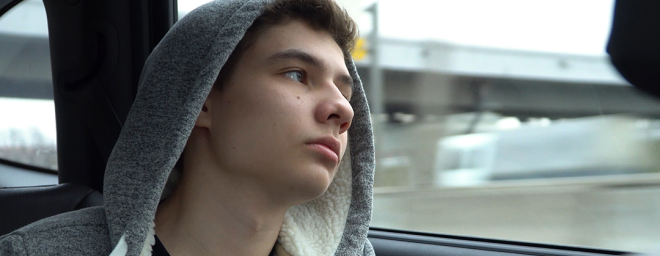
(204, 117)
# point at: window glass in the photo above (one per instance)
(27, 111)
(505, 119)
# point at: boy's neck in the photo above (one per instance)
(223, 217)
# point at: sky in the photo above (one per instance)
(562, 26)
(27, 115)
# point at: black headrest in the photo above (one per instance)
(634, 44)
(24, 205)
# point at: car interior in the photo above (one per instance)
(98, 48)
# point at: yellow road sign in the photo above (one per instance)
(360, 50)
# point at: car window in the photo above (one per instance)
(27, 111)
(505, 119)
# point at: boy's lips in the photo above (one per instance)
(327, 142)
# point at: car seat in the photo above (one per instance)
(20, 206)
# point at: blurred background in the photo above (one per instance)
(493, 118)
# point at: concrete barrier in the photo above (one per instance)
(620, 212)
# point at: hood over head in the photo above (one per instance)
(175, 82)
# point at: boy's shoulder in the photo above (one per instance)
(81, 232)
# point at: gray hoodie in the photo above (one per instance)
(176, 79)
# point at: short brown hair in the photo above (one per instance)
(324, 15)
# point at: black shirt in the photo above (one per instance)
(159, 249)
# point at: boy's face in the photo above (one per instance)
(284, 112)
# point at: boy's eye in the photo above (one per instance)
(295, 75)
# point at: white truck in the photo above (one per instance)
(570, 148)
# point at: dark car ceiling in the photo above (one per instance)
(634, 44)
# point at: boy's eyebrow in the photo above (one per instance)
(296, 54)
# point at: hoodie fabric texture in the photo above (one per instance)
(176, 80)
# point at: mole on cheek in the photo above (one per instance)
(298, 97)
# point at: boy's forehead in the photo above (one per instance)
(297, 34)
(295, 40)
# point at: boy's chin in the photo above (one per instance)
(309, 190)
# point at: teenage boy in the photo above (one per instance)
(255, 102)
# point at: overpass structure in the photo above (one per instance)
(439, 78)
